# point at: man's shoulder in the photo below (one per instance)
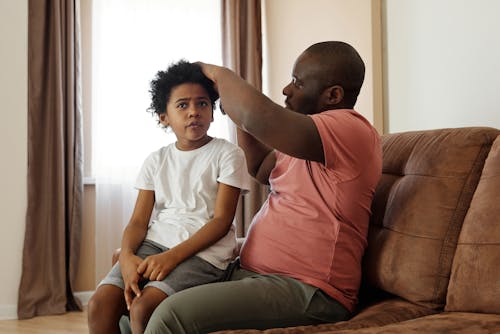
(348, 119)
(347, 114)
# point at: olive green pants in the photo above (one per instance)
(246, 300)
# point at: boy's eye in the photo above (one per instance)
(203, 103)
(182, 105)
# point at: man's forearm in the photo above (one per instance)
(245, 105)
(255, 151)
(251, 112)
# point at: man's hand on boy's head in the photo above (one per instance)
(209, 70)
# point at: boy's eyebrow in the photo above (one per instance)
(189, 98)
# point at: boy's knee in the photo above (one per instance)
(138, 309)
(105, 301)
(94, 305)
(95, 308)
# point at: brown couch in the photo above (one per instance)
(433, 259)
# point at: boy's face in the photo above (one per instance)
(189, 114)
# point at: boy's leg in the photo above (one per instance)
(105, 308)
(142, 307)
(248, 301)
(103, 312)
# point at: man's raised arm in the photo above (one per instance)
(273, 126)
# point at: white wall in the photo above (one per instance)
(13, 147)
(293, 25)
(442, 64)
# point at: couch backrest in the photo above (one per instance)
(475, 275)
(428, 181)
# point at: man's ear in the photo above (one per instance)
(164, 119)
(334, 94)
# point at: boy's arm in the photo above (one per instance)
(287, 131)
(157, 267)
(136, 230)
(133, 236)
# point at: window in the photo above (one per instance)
(131, 41)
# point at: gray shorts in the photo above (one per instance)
(192, 272)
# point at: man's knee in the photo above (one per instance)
(166, 319)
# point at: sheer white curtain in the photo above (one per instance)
(132, 40)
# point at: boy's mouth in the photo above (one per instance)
(194, 125)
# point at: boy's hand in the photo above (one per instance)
(157, 267)
(131, 278)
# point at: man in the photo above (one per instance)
(301, 261)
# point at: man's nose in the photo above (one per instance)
(286, 90)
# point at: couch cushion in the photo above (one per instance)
(449, 323)
(383, 313)
(428, 181)
(475, 277)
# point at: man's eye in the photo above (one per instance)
(296, 82)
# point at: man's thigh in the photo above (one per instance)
(248, 300)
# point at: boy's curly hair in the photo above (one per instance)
(175, 75)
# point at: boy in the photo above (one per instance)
(193, 185)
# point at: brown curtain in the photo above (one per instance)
(242, 52)
(53, 217)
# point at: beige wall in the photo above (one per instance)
(13, 144)
(442, 64)
(293, 25)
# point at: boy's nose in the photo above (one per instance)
(194, 112)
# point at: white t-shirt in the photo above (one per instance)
(185, 185)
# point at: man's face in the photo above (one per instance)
(304, 91)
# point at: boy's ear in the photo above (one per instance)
(164, 119)
(334, 94)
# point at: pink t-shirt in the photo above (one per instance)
(314, 224)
